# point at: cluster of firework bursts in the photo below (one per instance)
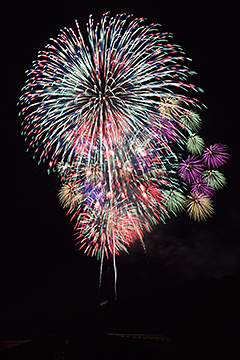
(112, 120)
(202, 176)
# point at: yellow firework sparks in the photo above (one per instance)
(199, 207)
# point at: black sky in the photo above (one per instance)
(40, 266)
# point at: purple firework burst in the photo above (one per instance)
(216, 155)
(201, 186)
(191, 168)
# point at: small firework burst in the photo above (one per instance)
(169, 107)
(190, 168)
(199, 207)
(175, 200)
(216, 155)
(105, 230)
(69, 195)
(201, 186)
(195, 144)
(215, 179)
(191, 121)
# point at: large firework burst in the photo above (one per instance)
(109, 117)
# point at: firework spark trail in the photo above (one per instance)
(110, 117)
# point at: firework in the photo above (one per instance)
(175, 201)
(216, 155)
(110, 230)
(191, 168)
(109, 115)
(103, 92)
(199, 206)
(69, 195)
(215, 179)
(201, 186)
(191, 121)
(195, 144)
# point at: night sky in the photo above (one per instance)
(40, 266)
